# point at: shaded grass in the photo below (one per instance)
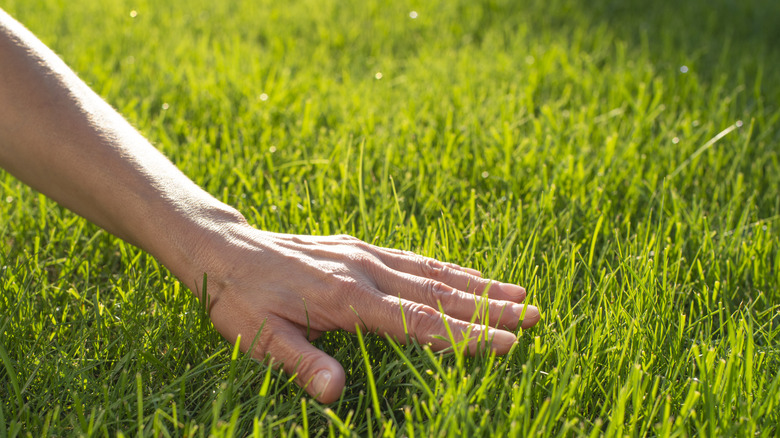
(553, 144)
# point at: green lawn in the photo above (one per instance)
(618, 158)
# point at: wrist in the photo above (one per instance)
(191, 241)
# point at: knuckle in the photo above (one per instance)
(352, 295)
(347, 238)
(485, 311)
(477, 286)
(422, 321)
(301, 365)
(273, 349)
(365, 261)
(434, 292)
(432, 268)
(348, 286)
(498, 309)
(454, 266)
(363, 246)
(264, 344)
(361, 258)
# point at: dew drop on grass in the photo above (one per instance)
(413, 15)
(684, 69)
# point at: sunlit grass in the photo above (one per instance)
(619, 159)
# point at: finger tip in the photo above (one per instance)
(508, 291)
(327, 384)
(532, 316)
(501, 341)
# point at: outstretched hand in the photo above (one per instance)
(295, 288)
(61, 138)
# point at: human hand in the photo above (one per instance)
(296, 287)
(64, 140)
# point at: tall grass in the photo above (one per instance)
(619, 159)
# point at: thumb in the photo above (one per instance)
(319, 374)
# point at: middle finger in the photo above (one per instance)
(454, 302)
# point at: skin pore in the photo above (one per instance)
(62, 139)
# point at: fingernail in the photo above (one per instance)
(518, 310)
(320, 382)
(514, 292)
(531, 316)
(501, 340)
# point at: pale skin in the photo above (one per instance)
(62, 139)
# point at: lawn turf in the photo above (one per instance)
(617, 158)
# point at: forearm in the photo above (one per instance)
(59, 137)
(279, 290)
